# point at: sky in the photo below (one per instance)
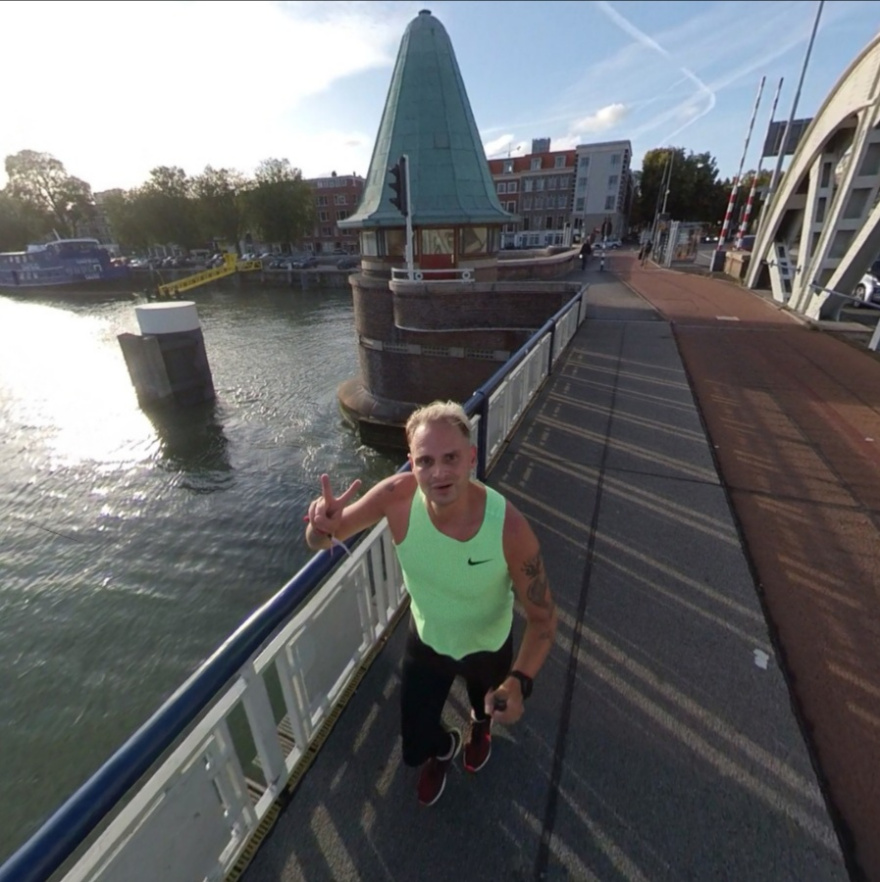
(113, 90)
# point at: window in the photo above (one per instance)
(613, 180)
(395, 243)
(582, 185)
(369, 245)
(474, 240)
(528, 185)
(342, 214)
(539, 203)
(511, 186)
(508, 166)
(438, 242)
(561, 201)
(579, 203)
(527, 203)
(548, 222)
(615, 159)
(536, 163)
(609, 203)
(539, 183)
(326, 232)
(560, 162)
(552, 183)
(501, 187)
(322, 200)
(323, 217)
(511, 207)
(340, 199)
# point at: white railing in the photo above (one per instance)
(207, 800)
(452, 274)
(253, 734)
(508, 402)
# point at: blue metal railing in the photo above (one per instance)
(75, 820)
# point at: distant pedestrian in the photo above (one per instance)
(585, 253)
(645, 251)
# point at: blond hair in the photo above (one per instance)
(450, 412)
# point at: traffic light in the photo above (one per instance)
(398, 185)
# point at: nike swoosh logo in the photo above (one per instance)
(474, 563)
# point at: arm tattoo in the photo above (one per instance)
(538, 591)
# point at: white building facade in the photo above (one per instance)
(603, 189)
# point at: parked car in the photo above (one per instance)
(607, 244)
(303, 262)
(349, 262)
(868, 289)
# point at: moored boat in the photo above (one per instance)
(75, 267)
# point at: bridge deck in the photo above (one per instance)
(662, 741)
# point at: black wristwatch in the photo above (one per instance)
(525, 683)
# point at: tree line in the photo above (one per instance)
(276, 204)
(693, 190)
(41, 199)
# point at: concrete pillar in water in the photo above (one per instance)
(167, 362)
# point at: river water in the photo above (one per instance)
(130, 545)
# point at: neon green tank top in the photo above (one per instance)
(461, 593)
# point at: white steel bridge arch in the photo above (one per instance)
(821, 228)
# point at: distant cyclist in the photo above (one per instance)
(466, 553)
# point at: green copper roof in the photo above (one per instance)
(428, 116)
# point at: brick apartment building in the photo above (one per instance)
(336, 197)
(559, 194)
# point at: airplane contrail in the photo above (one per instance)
(649, 42)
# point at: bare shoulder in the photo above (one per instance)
(384, 499)
(401, 486)
(519, 536)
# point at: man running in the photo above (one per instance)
(465, 552)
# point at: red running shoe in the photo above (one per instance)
(478, 747)
(432, 778)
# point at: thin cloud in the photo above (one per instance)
(498, 145)
(648, 42)
(603, 119)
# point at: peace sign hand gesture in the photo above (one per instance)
(325, 512)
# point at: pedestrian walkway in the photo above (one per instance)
(662, 740)
(794, 416)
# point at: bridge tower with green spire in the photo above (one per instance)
(433, 322)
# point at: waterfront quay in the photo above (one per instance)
(701, 473)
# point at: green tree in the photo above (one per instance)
(40, 182)
(219, 203)
(280, 204)
(20, 223)
(166, 209)
(692, 191)
(126, 222)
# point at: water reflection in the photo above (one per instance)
(192, 441)
(63, 384)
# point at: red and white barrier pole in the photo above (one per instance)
(744, 224)
(735, 188)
